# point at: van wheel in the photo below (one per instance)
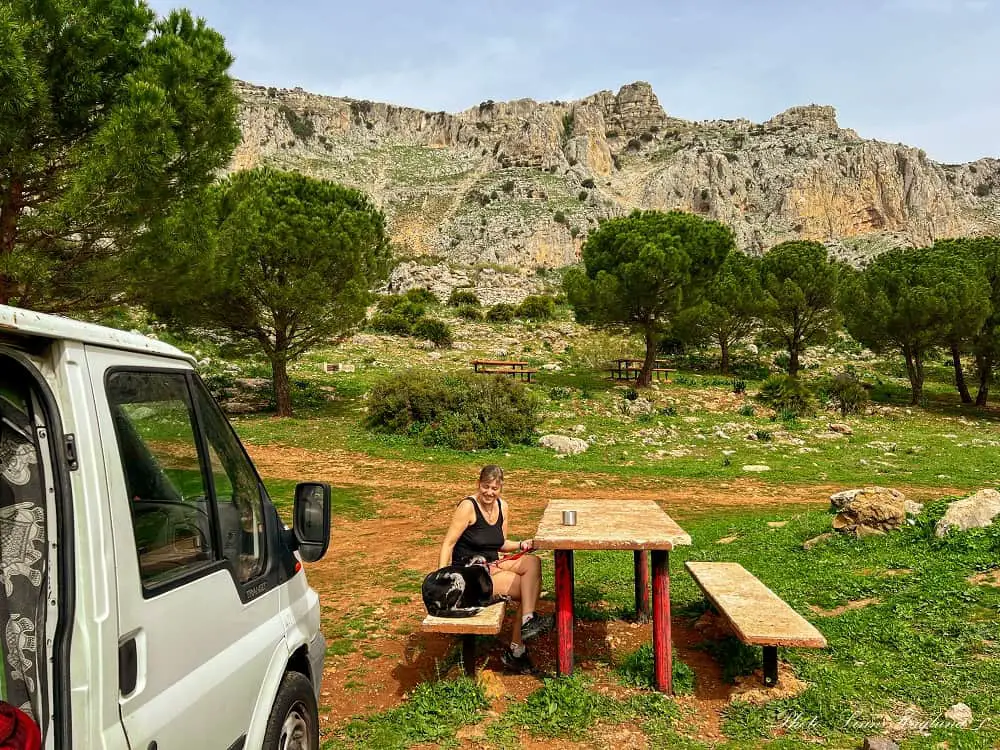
(294, 720)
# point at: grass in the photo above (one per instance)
(431, 715)
(929, 641)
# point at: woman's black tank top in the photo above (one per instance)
(481, 538)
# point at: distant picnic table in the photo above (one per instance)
(629, 369)
(513, 368)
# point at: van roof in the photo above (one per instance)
(30, 323)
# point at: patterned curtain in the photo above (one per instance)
(22, 556)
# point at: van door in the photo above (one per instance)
(198, 614)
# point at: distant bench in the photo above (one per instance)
(487, 622)
(758, 616)
(503, 367)
(629, 369)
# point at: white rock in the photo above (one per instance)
(960, 713)
(563, 444)
(973, 512)
(756, 468)
(579, 428)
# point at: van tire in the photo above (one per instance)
(294, 720)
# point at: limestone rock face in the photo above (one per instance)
(519, 184)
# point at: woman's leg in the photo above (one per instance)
(508, 583)
(520, 579)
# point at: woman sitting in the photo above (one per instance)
(479, 527)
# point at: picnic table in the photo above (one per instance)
(514, 368)
(637, 525)
(629, 369)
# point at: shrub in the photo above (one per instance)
(560, 393)
(847, 393)
(391, 323)
(470, 312)
(508, 186)
(301, 127)
(631, 394)
(739, 386)
(785, 393)
(402, 306)
(583, 195)
(762, 435)
(421, 295)
(463, 410)
(537, 307)
(501, 313)
(434, 330)
(587, 183)
(460, 297)
(559, 217)
(667, 411)
(747, 410)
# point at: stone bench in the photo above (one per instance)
(487, 622)
(758, 616)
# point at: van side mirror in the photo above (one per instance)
(311, 519)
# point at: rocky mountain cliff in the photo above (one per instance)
(514, 187)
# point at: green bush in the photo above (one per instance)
(391, 323)
(461, 297)
(421, 295)
(464, 411)
(501, 313)
(403, 306)
(847, 393)
(786, 394)
(559, 217)
(470, 312)
(537, 307)
(434, 330)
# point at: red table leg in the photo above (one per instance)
(564, 611)
(662, 658)
(641, 586)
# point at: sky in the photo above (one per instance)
(921, 72)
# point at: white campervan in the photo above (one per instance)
(151, 599)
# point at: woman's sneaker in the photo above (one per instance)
(536, 625)
(519, 664)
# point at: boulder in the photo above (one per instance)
(839, 500)
(843, 429)
(563, 444)
(639, 406)
(973, 512)
(872, 510)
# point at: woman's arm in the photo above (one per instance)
(510, 545)
(463, 517)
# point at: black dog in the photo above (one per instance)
(459, 590)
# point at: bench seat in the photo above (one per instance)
(758, 616)
(487, 622)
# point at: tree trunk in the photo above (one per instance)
(646, 376)
(915, 372)
(963, 389)
(793, 361)
(10, 212)
(724, 345)
(984, 369)
(282, 391)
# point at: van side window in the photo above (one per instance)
(168, 497)
(238, 491)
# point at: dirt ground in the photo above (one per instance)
(360, 579)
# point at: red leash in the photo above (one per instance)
(512, 556)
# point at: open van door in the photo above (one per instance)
(198, 605)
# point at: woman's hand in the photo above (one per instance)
(526, 545)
